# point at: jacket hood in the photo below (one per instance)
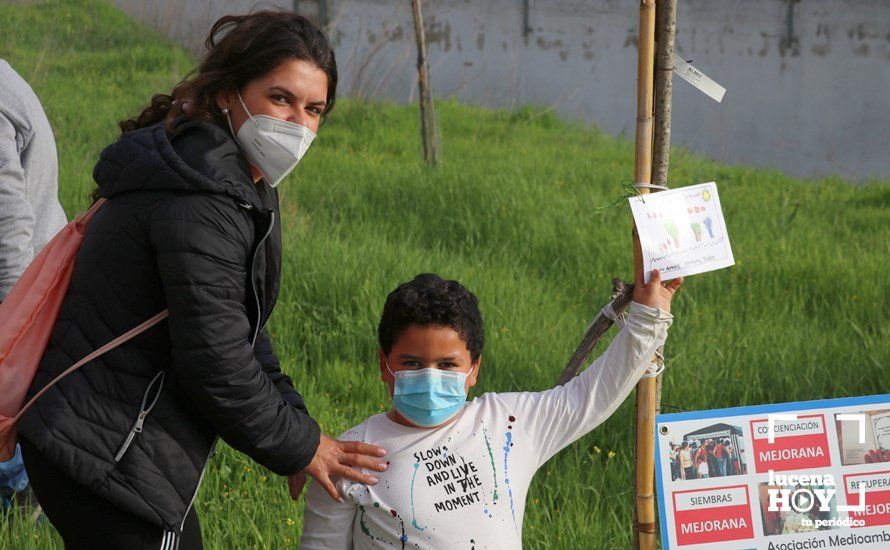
(196, 156)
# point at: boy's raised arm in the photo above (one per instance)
(555, 418)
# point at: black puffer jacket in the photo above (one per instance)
(184, 228)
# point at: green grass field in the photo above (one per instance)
(512, 213)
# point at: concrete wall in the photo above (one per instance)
(807, 81)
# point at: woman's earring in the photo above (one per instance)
(225, 111)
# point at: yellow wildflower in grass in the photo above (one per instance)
(596, 449)
(611, 454)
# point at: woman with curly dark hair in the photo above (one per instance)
(117, 450)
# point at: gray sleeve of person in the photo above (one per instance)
(16, 215)
(30, 213)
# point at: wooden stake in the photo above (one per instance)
(428, 130)
(645, 537)
(645, 87)
(665, 29)
(666, 24)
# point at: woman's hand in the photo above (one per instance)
(655, 294)
(338, 458)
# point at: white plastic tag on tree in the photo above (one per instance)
(698, 79)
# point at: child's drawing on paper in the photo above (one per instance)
(682, 231)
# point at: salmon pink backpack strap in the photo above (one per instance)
(129, 335)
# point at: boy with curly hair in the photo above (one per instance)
(459, 471)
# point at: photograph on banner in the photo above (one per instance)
(682, 231)
(874, 489)
(867, 441)
(797, 507)
(714, 450)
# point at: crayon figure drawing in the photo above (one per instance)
(682, 231)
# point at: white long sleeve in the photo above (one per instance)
(327, 524)
(557, 417)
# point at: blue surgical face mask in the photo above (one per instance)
(429, 397)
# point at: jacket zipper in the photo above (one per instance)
(143, 412)
(197, 487)
(252, 343)
(259, 310)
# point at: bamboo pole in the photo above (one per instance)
(645, 537)
(645, 87)
(428, 131)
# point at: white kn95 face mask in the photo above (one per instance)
(272, 145)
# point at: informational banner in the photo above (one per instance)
(682, 231)
(791, 476)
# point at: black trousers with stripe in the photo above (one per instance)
(86, 521)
